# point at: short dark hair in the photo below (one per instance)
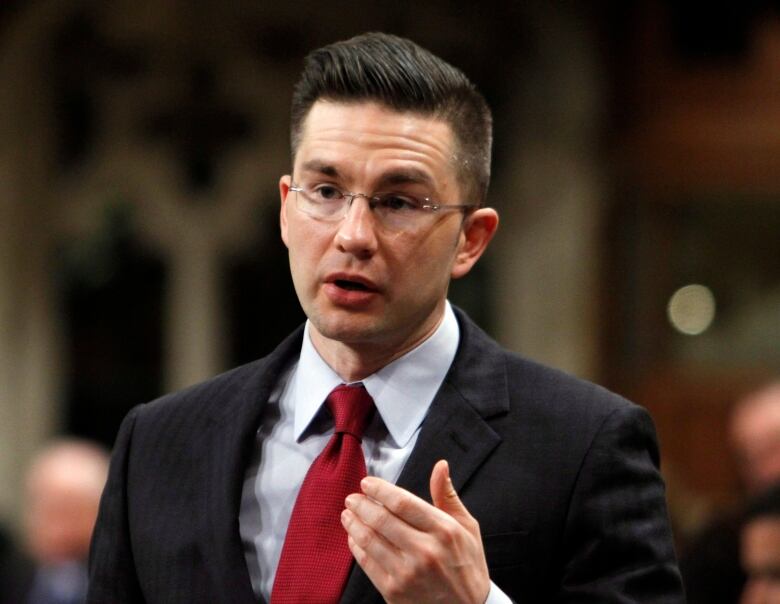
(399, 74)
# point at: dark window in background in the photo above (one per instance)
(111, 294)
(261, 305)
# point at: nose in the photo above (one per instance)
(356, 233)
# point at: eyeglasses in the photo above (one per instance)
(394, 211)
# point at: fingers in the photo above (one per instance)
(443, 493)
(370, 566)
(414, 511)
(401, 519)
(413, 551)
(376, 529)
(371, 550)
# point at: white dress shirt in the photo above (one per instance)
(294, 432)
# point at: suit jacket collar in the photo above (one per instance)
(455, 428)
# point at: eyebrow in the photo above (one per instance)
(320, 167)
(401, 176)
(405, 177)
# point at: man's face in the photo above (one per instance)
(359, 283)
(761, 561)
(755, 435)
(62, 504)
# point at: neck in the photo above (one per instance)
(355, 361)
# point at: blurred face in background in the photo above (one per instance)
(755, 439)
(62, 496)
(761, 560)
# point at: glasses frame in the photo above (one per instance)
(428, 206)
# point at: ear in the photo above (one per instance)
(284, 190)
(478, 229)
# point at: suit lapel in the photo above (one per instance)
(227, 447)
(456, 428)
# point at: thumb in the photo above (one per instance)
(443, 492)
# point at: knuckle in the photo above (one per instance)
(428, 558)
(399, 583)
(360, 555)
(405, 577)
(381, 519)
(402, 505)
(393, 589)
(364, 539)
(448, 535)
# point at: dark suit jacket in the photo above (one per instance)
(561, 474)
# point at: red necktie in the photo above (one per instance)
(316, 560)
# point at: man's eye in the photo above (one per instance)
(398, 203)
(327, 193)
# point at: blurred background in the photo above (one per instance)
(636, 170)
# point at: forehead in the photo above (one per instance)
(366, 138)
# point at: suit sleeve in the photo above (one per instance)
(112, 577)
(618, 543)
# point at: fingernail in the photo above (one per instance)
(350, 501)
(367, 483)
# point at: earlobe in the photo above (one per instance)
(284, 190)
(478, 230)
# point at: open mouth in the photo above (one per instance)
(351, 285)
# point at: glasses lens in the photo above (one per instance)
(392, 211)
(398, 212)
(325, 203)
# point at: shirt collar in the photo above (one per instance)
(402, 391)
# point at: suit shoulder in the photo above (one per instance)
(560, 406)
(216, 387)
(549, 385)
(218, 394)
(522, 382)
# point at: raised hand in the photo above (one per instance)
(413, 551)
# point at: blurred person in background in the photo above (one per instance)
(755, 438)
(62, 492)
(711, 563)
(760, 548)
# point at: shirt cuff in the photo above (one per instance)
(496, 596)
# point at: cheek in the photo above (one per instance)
(427, 273)
(306, 246)
(300, 237)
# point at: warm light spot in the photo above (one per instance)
(691, 309)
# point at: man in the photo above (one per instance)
(62, 492)
(225, 492)
(760, 548)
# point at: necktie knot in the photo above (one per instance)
(351, 407)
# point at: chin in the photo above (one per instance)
(347, 327)
(350, 334)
